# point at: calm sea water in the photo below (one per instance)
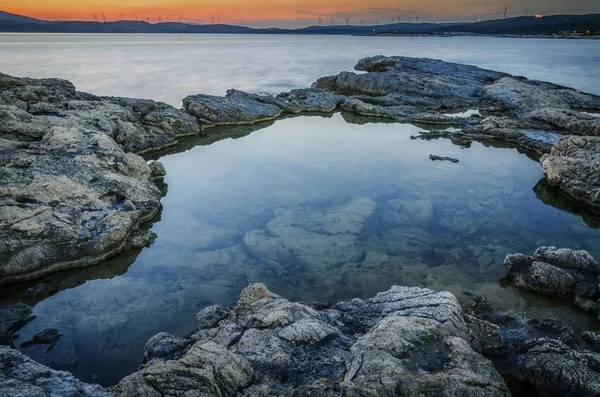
(317, 208)
(170, 67)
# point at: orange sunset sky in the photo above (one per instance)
(291, 13)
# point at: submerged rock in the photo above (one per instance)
(46, 337)
(313, 237)
(406, 341)
(433, 157)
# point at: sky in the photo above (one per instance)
(292, 13)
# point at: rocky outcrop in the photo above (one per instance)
(573, 166)
(540, 357)
(71, 194)
(12, 318)
(558, 272)
(20, 376)
(406, 341)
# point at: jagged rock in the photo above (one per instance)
(573, 165)
(13, 318)
(237, 107)
(559, 107)
(406, 341)
(558, 272)
(538, 276)
(309, 100)
(454, 86)
(542, 354)
(485, 337)
(163, 347)
(20, 376)
(71, 199)
(558, 370)
(157, 171)
(566, 258)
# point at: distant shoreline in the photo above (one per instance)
(563, 26)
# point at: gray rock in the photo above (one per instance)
(539, 277)
(236, 107)
(558, 107)
(574, 166)
(12, 318)
(433, 157)
(543, 354)
(566, 258)
(558, 370)
(163, 347)
(558, 272)
(406, 341)
(71, 195)
(20, 376)
(485, 337)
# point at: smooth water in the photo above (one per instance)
(317, 208)
(170, 67)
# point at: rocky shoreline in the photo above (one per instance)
(75, 192)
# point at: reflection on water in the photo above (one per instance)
(317, 209)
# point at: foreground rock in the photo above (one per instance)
(71, 194)
(573, 165)
(558, 272)
(20, 376)
(541, 357)
(406, 341)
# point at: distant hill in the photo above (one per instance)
(532, 25)
(8, 17)
(519, 26)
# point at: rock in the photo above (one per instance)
(566, 258)
(542, 354)
(406, 341)
(558, 272)
(538, 276)
(71, 194)
(313, 237)
(13, 318)
(157, 171)
(309, 100)
(409, 213)
(46, 337)
(485, 337)
(66, 207)
(574, 166)
(558, 107)
(433, 157)
(20, 376)
(163, 347)
(236, 107)
(557, 370)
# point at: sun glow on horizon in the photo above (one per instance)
(286, 12)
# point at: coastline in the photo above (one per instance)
(51, 130)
